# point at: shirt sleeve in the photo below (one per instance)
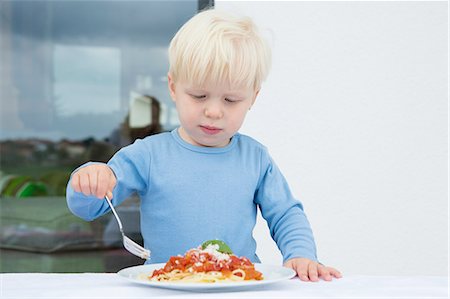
(131, 167)
(288, 224)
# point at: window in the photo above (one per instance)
(79, 80)
(71, 71)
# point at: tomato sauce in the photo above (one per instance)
(205, 262)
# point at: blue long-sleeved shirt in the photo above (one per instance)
(190, 194)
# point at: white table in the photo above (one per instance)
(48, 286)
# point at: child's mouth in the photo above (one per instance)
(210, 130)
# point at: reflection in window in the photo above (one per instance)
(78, 80)
(94, 72)
(92, 79)
(71, 70)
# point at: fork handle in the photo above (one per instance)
(115, 213)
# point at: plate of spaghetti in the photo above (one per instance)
(207, 267)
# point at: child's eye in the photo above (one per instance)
(230, 100)
(198, 97)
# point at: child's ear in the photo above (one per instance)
(171, 85)
(254, 98)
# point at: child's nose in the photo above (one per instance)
(214, 110)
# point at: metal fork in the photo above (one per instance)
(129, 244)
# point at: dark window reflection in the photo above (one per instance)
(78, 80)
(71, 71)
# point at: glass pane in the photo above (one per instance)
(78, 80)
(71, 70)
(95, 76)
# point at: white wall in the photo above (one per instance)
(355, 114)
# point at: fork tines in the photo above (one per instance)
(135, 248)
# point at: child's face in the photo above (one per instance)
(210, 115)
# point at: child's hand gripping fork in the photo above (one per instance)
(129, 244)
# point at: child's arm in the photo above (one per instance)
(125, 173)
(308, 270)
(288, 224)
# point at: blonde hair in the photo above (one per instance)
(215, 47)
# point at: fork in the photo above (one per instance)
(129, 244)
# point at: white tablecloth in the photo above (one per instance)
(48, 286)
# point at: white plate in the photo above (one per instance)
(272, 274)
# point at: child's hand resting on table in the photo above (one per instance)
(308, 270)
(95, 179)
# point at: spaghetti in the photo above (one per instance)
(206, 265)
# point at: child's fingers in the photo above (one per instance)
(111, 184)
(324, 272)
(335, 272)
(84, 184)
(93, 182)
(97, 180)
(327, 273)
(312, 271)
(75, 182)
(302, 271)
(308, 270)
(102, 184)
(109, 194)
